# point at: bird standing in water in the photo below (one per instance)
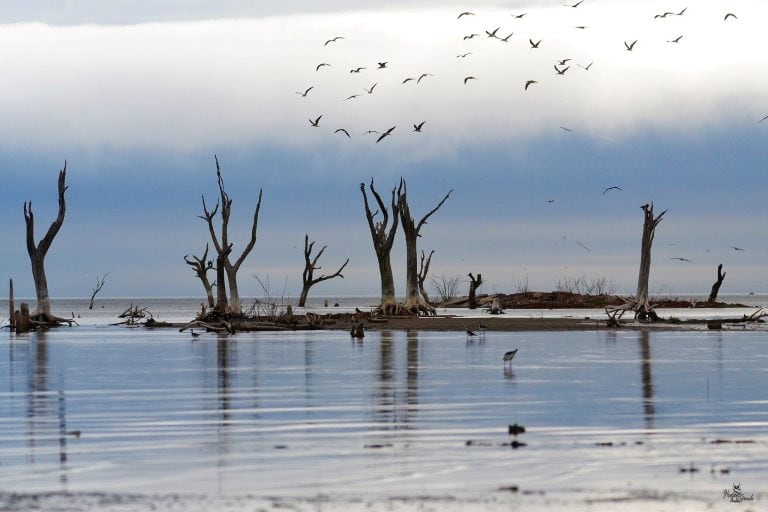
(509, 356)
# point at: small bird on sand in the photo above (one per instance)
(509, 356)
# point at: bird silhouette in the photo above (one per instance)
(737, 248)
(675, 40)
(382, 65)
(466, 13)
(470, 36)
(370, 91)
(342, 130)
(423, 75)
(333, 40)
(574, 5)
(469, 78)
(417, 127)
(519, 16)
(509, 356)
(628, 46)
(316, 122)
(408, 79)
(506, 39)
(587, 66)
(663, 15)
(352, 97)
(194, 334)
(730, 15)
(682, 12)
(356, 70)
(566, 129)
(584, 246)
(463, 55)
(470, 333)
(321, 65)
(385, 134)
(492, 34)
(536, 44)
(370, 131)
(550, 200)
(611, 188)
(562, 62)
(682, 259)
(529, 83)
(763, 119)
(304, 94)
(561, 72)
(581, 27)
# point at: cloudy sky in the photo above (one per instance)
(138, 97)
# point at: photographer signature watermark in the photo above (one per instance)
(736, 495)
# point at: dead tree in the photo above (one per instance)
(37, 254)
(11, 305)
(716, 287)
(310, 265)
(642, 306)
(99, 285)
(424, 263)
(201, 266)
(414, 302)
(474, 284)
(224, 247)
(383, 237)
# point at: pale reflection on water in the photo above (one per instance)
(400, 413)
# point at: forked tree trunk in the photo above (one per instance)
(38, 252)
(424, 263)
(642, 305)
(222, 304)
(201, 266)
(310, 265)
(716, 287)
(474, 284)
(383, 237)
(414, 302)
(99, 285)
(224, 247)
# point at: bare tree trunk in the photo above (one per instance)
(383, 237)
(423, 271)
(310, 265)
(11, 305)
(642, 305)
(414, 302)
(474, 284)
(201, 266)
(38, 252)
(22, 320)
(716, 287)
(222, 245)
(222, 304)
(99, 285)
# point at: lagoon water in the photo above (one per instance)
(400, 421)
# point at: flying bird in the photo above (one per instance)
(423, 75)
(611, 188)
(321, 65)
(580, 27)
(663, 15)
(356, 70)
(574, 5)
(730, 15)
(550, 200)
(519, 16)
(352, 97)
(470, 36)
(492, 34)
(509, 356)
(467, 13)
(506, 39)
(469, 78)
(586, 67)
(463, 55)
(333, 40)
(682, 12)
(408, 79)
(562, 62)
(529, 83)
(584, 246)
(316, 122)
(370, 91)
(566, 129)
(682, 259)
(536, 44)
(628, 46)
(382, 65)
(675, 40)
(561, 72)
(342, 130)
(304, 94)
(385, 134)
(763, 119)
(370, 131)
(417, 127)
(737, 248)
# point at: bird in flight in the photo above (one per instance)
(469, 78)
(417, 127)
(316, 122)
(682, 12)
(584, 246)
(370, 131)
(356, 70)
(763, 119)
(562, 62)
(566, 129)
(611, 188)
(737, 248)
(467, 13)
(581, 27)
(561, 72)
(730, 15)
(304, 94)
(321, 65)
(628, 46)
(682, 259)
(519, 16)
(675, 40)
(370, 91)
(663, 15)
(536, 44)
(408, 79)
(423, 75)
(382, 65)
(574, 5)
(470, 36)
(333, 40)
(342, 130)
(352, 97)
(529, 83)
(385, 134)
(586, 67)
(550, 200)
(463, 55)
(492, 34)
(506, 39)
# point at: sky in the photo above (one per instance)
(137, 98)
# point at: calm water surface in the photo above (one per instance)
(610, 416)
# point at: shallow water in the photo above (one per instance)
(609, 415)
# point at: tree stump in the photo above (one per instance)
(22, 320)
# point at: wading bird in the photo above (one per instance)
(529, 83)
(304, 94)
(333, 40)
(385, 134)
(470, 333)
(628, 46)
(509, 356)
(342, 130)
(316, 122)
(417, 127)
(611, 188)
